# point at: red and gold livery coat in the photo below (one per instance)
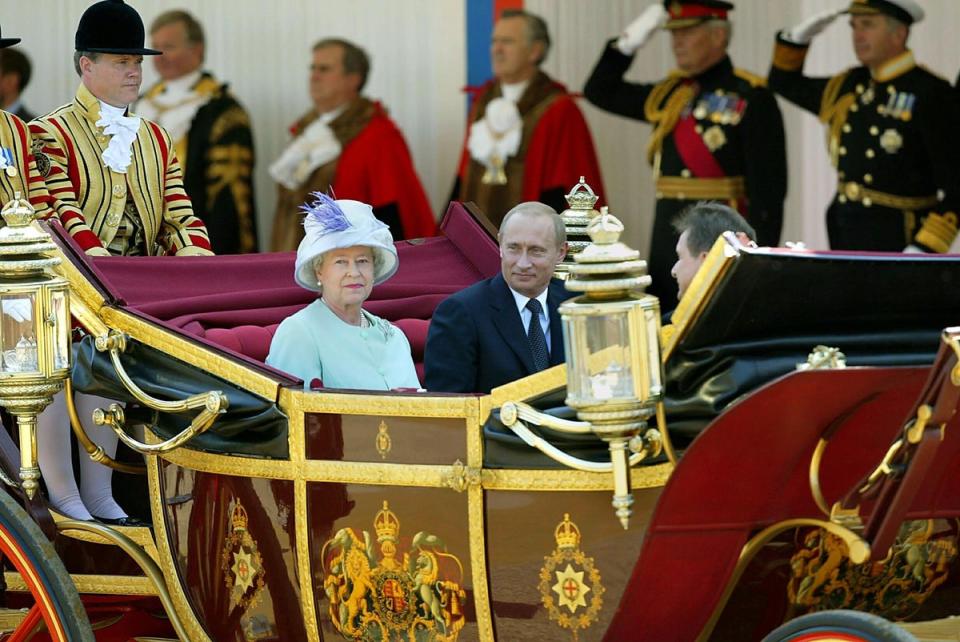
(90, 198)
(15, 139)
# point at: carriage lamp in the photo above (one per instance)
(34, 328)
(576, 218)
(614, 374)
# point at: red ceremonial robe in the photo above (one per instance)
(556, 150)
(374, 167)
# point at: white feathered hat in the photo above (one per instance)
(331, 225)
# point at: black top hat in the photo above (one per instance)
(8, 42)
(110, 26)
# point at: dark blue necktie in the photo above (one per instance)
(538, 342)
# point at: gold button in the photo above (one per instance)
(685, 173)
(843, 151)
(854, 107)
(852, 191)
(859, 89)
(101, 139)
(891, 89)
(866, 201)
(119, 191)
(874, 130)
(870, 153)
(842, 198)
(847, 128)
(868, 178)
(698, 129)
(881, 110)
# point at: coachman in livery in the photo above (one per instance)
(717, 131)
(891, 131)
(114, 177)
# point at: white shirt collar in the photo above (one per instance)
(109, 112)
(521, 301)
(513, 91)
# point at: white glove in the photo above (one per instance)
(914, 249)
(638, 33)
(804, 32)
(17, 309)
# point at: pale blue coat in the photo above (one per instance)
(315, 343)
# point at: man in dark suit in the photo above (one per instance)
(505, 327)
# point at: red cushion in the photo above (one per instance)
(251, 340)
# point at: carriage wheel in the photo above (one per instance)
(839, 626)
(53, 605)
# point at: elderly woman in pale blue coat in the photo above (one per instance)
(344, 253)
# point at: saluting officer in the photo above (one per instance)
(892, 131)
(718, 133)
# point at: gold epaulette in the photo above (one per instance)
(752, 78)
(653, 106)
(834, 109)
(665, 119)
(938, 231)
(830, 93)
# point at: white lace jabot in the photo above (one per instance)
(122, 131)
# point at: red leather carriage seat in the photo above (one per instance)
(254, 340)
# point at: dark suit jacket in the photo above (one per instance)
(477, 341)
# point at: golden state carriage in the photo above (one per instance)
(283, 514)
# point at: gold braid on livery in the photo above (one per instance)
(90, 199)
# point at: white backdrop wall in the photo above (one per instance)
(418, 53)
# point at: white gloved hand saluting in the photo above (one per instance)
(804, 32)
(639, 31)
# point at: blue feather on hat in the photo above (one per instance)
(323, 215)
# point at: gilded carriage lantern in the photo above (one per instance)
(576, 218)
(34, 328)
(614, 373)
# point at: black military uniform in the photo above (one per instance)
(717, 136)
(894, 141)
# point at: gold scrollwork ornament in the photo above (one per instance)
(570, 584)
(241, 563)
(416, 598)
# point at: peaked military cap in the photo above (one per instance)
(8, 42)
(687, 13)
(111, 26)
(906, 11)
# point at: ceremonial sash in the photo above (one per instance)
(693, 151)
